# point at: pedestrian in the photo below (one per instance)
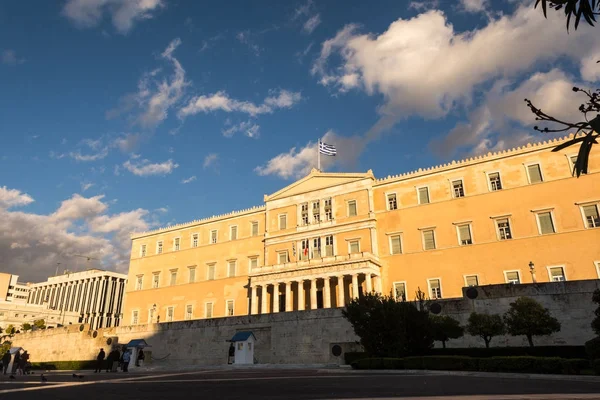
(126, 359)
(5, 361)
(140, 358)
(100, 361)
(23, 362)
(16, 361)
(114, 357)
(109, 360)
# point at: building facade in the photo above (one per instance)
(96, 295)
(11, 290)
(17, 314)
(329, 237)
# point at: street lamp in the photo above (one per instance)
(532, 270)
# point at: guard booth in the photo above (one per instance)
(134, 348)
(12, 368)
(243, 343)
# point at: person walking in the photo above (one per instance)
(126, 359)
(113, 357)
(5, 361)
(23, 362)
(140, 359)
(16, 362)
(100, 361)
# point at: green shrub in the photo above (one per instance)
(535, 365)
(442, 363)
(592, 348)
(538, 351)
(64, 365)
(352, 356)
(378, 363)
(574, 366)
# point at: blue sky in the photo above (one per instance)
(120, 116)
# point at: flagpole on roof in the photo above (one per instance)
(319, 154)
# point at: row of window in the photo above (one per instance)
(189, 312)
(313, 213)
(311, 248)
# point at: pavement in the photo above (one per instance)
(295, 383)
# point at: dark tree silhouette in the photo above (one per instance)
(588, 9)
(445, 328)
(528, 317)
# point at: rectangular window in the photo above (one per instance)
(159, 247)
(592, 219)
(304, 247)
(464, 235)
(400, 291)
(254, 228)
(392, 203)
(471, 280)
(557, 274)
(151, 316)
(495, 182)
(213, 236)
(283, 257)
(229, 310)
(170, 312)
(233, 232)
(423, 195)
(208, 310)
(573, 160)
(189, 311)
(545, 222)
(535, 173)
(328, 210)
(395, 245)
(435, 289)
(513, 277)
(504, 232)
(173, 280)
(210, 272)
(231, 269)
(139, 282)
(457, 188)
(155, 280)
(195, 240)
(316, 211)
(143, 251)
(283, 221)
(304, 213)
(352, 208)
(176, 244)
(192, 277)
(316, 248)
(328, 246)
(253, 263)
(428, 239)
(134, 318)
(354, 246)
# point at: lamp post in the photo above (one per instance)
(532, 271)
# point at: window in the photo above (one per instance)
(392, 203)
(254, 228)
(435, 289)
(400, 291)
(495, 182)
(354, 246)
(304, 245)
(134, 318)
(176, 244)
(535, 173)
(139, 282)
(428, 239)
(213, 236)
(143, 251)
(210, 272)
(328, 210)
(229, 308)
(573, 161)
(253, 263)
(173, 280)
(423, 195)
(503, 226)
(316, 248)
(170, 312)
(316, 211)
(545, 223)
(329, 246)
(233, 232)
(457, 188)
(231, 269)
(283, 221)
(590, 213)
(155, 280)
(208, 310)
(192, 272)
(472, 280)
(159, 247)
(189, 310)
(151, 315)
(464, 235)
(512, 277)
(351, 208)
(195, 240)
(283, 257)
(557, 274)
(395, 244)
(304, 213)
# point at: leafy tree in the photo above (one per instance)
(596, 321)
(387, 327)
(5, 346)
(10, 330)
(528, 317)
(39, 324)
(444, 328)
(587, 9)
(486, 326)
(26, 327)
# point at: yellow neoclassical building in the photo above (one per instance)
(328, 237)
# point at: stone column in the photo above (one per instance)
(355, 286)
(326, 292)
(263, 299)
(276, 297)
(288, 296)
(369, 282)
(301, 296)
(378, 284)
(254, 300)
(341, 294)
(313, 294)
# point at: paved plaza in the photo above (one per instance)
(292, 384)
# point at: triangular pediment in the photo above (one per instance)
(318, 180)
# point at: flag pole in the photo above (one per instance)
(319, 154)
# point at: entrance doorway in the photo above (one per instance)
(319, 299)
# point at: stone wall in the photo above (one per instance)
(306, 337)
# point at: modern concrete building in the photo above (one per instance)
(17, 314)
(514, 216)
(96, 295)
(11, 290)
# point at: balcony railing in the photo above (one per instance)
(318, 262)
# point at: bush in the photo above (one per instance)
(64, 365)
(539, 365)
(442, 363)
(592, 348)
(378, 363)
(352, 356)
(596, 366)
(574, 366)
(538, 351)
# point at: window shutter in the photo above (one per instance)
(429, 240)
(472, 280)
(546, 225)
(423, 195)
(434, 283)
(400, 291)
(512, 276)
(535, 174)
(590, 211)
(465, 234)
(396, 245)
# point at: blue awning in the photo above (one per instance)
(242, 336)
(141, 343)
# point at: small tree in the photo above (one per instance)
(26, 327)
(39, 324)
(486, 326)
(10, 330)
(528, 317)
(444, 328)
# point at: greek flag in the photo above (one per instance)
(327, 149)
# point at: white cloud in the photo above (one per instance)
(245, 37)
(127, 142)
(79, 207)
(474, 6)
(189, 180)
(146, 168)
(249, 128)
(253, 131)
(9, 57)
(423, 5)
(210, 42)
(13, 198)
(313, 19)
(124, 13)
(89, 157)
(311, 24)
(210, 159)
(220, 101)
(86, 186)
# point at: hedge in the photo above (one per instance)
(538, 351)
(64, 365)
(352, 356)
(525, 364)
